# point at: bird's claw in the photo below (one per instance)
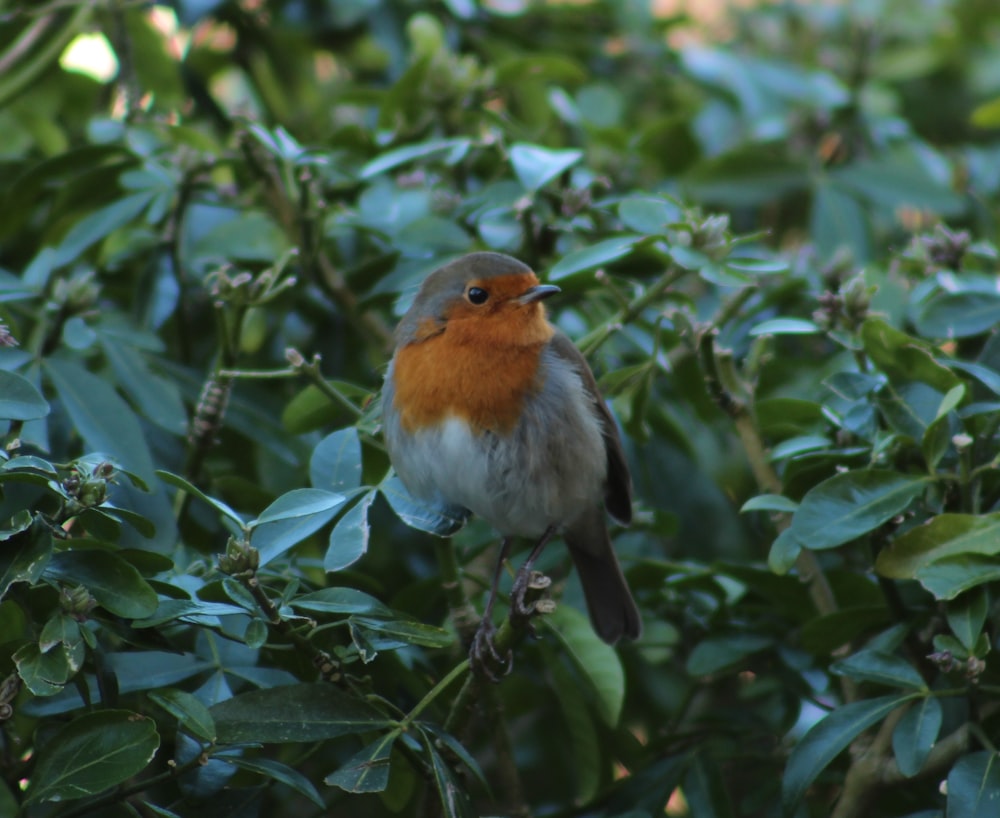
(527, 583)
(484, 657)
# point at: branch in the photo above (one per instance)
(594, 339)
(764, 474)
(809, 569)
(479, 695)
(299, 229)
(876, 767)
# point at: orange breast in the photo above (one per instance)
(474, 376)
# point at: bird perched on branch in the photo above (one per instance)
(488, 406)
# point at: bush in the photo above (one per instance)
(778, 255)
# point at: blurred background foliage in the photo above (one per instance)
(774, 225)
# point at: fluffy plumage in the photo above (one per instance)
(489, 407)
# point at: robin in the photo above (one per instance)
(489, 407)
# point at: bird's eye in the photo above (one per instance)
(477, 295)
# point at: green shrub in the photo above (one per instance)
(779, 256)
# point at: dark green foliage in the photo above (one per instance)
(777, 247)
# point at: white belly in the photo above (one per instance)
(544, 473)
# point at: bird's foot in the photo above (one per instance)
(525, 597)
(484, 657)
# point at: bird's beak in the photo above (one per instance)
(537, 293)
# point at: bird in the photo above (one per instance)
(489, 407)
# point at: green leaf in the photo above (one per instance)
(535, 166)
(189, 610)
(936, 440)
(98, 224)
(341, 601)
(946, 535)
(966, 617)
(909, 408)
(801, 444)
(335, 464)
(291, 518)
(902, 358)
(21, 521)
(188, 710)
(105, 422)
(647, 214)
(349, 537)
(25, 559)
(279, 772)
(194, 491)
(827, 738)
(596, 661)
(822, 635)
(158, 399)
(581, 736)
(313, 409)
(784, 552)
(786, 417)
(851, 504)
(947, 578)
(455, 801)
(986, 114)
(93, 753)
(78, 334)
(247, 235)
(718, 653)
(769, 502)
(8, 804)
(914, 736)
(882, 668)
(293, 713)
(838, 220)
(586, 258)
(19, 399)
(958, 315)
(35, 465)
(407, 631)
(600, 104)
(757, 266)
(433, 518)
(897, 180)
(974, 786)
(785, 326)
(745, 177)
(61, 628)
(114, 583)
(300, 503)
(43, 673)
(456, 149)
(986, 376)
(255, 635)
(429, 730)
(705, 788)
(368, 769)
(142, 524)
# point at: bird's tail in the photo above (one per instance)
(613, 611)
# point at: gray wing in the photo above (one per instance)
(618, 489)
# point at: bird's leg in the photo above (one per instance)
(522, 580)
(482, 643)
